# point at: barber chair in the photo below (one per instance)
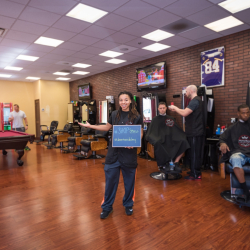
(235, 189)
(74, 141)
(61, 136)
(98, 142)
(49, 131)
(163, 175)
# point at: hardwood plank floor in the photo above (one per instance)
(53, 202)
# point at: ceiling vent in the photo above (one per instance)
(179, 26)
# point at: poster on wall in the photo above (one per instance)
(212, 67)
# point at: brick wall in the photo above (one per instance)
(183, 68)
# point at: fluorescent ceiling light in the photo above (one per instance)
(4, 75)
(110, 53)
(86, 13)
(48, 41)
(13, 68)
(224, 24)
(156, 47)
(235, 6)
(62, 79)
(27, 58)
(80, 73)
(115, 61)
(61, 73)
(33, 78)
(81, 65)
(158, 35)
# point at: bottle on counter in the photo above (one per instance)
(218, 130)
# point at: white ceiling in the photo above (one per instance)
(126, 21)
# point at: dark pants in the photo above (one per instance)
(112, 175)
(22, 129)
(194, 154)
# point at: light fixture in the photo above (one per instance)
(5, 76)
(81, 65)
(48, 41)
(27, 58)
(86, 13)
(235, 6)
(224, 24)
(158, 35)
(61, 73)
(13, 68)
(110, 53)
(80, 73)
(62, 79)
(115, 61)
(33, 78)
(155, 47)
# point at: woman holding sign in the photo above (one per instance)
(124, 158)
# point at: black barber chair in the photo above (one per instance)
(98, 142)
(235, 189)
(61, 136)
(49, 131)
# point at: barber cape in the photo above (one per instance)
(168, 139)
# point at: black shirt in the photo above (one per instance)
(127, 157)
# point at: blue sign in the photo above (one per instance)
(126, 136)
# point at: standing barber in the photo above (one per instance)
(195, 131)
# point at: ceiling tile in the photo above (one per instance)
(120, 37)
(139, 42)
(82, 55)
(48, 60)
(160, 19)
(140, 52)
(197, 33)
(10, 49)
(128, 57)
(93, 50)
(208, 38)
(6, 60)
(175, 40)
(20, 1)
(72, 46)
(42, 48)
(8, 55)
(60, 7)
(127, 48)
(100, 58)
(235, 29)
(20, 63)
(85, 40)
(208, 15)
(160, 3)
(6, 22)
(243, 15)
(15, 44)
(59, 34)
(136, 10)
(114, 22)
(105, 45)
(20, 36)
(216, 1)
(28, 27)
(54, 56)
(64, 52)
(107, 5)
(10, 9)
(71, 24)
(39, 16)
(138, 29)
(98, 32)
(32, 53)
(185, 8)
(185, 45)
(72, 59)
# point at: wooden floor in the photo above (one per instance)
(53, 202)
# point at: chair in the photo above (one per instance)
(98, 142)
(49, 131)
(61, 136)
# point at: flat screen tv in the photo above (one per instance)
(151, 77)
(84, 92)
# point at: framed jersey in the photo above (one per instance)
(212, 67)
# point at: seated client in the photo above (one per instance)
(168, 139)
(235, 146)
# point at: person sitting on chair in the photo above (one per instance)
(235, 143)
(168, 139)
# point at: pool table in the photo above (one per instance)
(15, 140)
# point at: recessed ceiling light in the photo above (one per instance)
(110, 53)
(27, 58)
(156, 47)
(33, 78)
(62, 79)
(224, 24)
(13, 68)
(115, 61)
(60, 73)
(4, 75)
(86, 13)
(81, 65)
(158, 35)
(235, 6)
(48, 41)
(80, 73)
